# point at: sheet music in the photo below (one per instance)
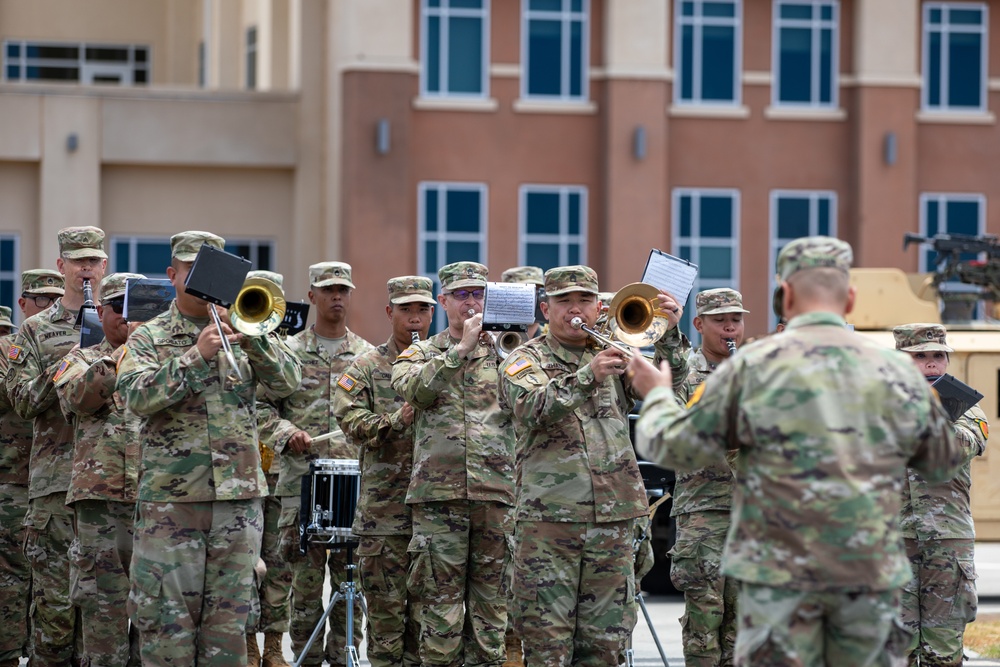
(509, 303)
(669, 273)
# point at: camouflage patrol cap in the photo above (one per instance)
(185, 245)
(275, 278)
(719, 301)
(330, 273)
(814, 252)
(410, 289)
(462, 274)
(5, 314)
(565, 279)
(42, 281)
(920, 338)
(113, 286)
(81, 242)
(523, 274)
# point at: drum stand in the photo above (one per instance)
(629, 653)
(348, 593)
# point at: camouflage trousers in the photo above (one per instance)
(708, 627)
(192, 576)
(393, 632)
(275, 590)
(781, 627)
(99, 559)
(940, 600)
(308, 572)
(54, 619)
(458, 579)
(15, 573)
(574, 592)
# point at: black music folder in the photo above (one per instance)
(955, 395)
(145, 298)
(217, 276)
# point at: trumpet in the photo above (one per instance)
(577, 323)
(505, 342)
(259, 307)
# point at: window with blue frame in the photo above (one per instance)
(150, 256)
(452, 227)
(954, 56)
(944, 213)
(707, 38)
(553, 226)
(794, 214)
(454, 48)
(555, 49)
(10, 274)
(805, 52)
(706, 232)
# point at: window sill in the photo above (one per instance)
(957, 117)
(483, 104)
(555, 106)
(708, 111)
(804, 113)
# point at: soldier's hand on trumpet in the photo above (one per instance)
(210, 342)
(608, 362)
(667, 306)
(299, 442)
(471, 329)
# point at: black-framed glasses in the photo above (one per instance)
(117, 305)
(41, 300)
(463, 294)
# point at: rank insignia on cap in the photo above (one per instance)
(407, 353)
(14, 353)
(984, 428)
(346, 382)
(62, 369)
(518, 366)
(696, 396)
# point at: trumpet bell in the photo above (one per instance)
(637, 322)
(259, 307)
(506, 342)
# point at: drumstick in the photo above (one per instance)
(325, 436)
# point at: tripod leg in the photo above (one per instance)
(318, 630)
(652, 630)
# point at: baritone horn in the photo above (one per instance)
(259, 307)
(637, 320)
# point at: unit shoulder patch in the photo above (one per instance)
(984, 427)
(696, 396)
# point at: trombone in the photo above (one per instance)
(259, 307)
(633, 319)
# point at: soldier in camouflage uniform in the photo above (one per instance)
(373, 415)
(825, 423)
(39, 288)
(701, 503)
(38, 349)
(937, 525)
(103, 483)
(462, 488)
(198, 522)
(6, 324)
(580, 493)
(325, 349)
(275, 587)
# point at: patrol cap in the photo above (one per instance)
(410, 289)
(462, 274)
(113, 286)
(275, 278)
(330, 273)
(814, 252)
(565, 279)
(42, 281)
(523, 274)
(719, 301)
(5, 314)
(920, 338)
(185, 245)
(81, 242)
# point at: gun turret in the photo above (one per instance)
(952, 268)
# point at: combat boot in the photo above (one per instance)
(273, 657)
(253, 650)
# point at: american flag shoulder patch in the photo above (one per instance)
(14, 353)
(407, 353)
(518, 366)
(62, 369)
(347, 383)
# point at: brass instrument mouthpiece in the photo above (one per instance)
(576, 323)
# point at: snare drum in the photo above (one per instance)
(329, 499)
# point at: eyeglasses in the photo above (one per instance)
(41, 300)
(117, 305)
(464, 294)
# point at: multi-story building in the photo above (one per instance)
(399, 135)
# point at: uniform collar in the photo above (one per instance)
(821, 317)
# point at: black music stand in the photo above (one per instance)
(656, 480)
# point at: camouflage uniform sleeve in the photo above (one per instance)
(680, 439)
(938, 454)
(29, 384)
(272, 428)
(149, 386)
(535, 399)
(83, 387)
(355, 413)
(971, 431)
(277, 369)
(674, 348)
(423, 375)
